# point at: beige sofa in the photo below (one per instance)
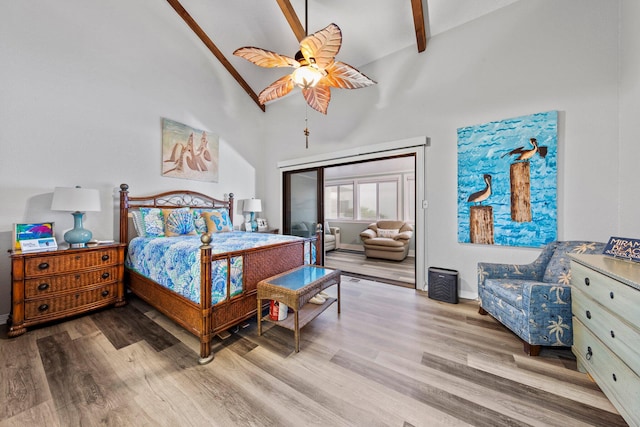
(387, 239)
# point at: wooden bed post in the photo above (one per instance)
(206, 355)
(124, 214)
(318, 244)
(231, 207)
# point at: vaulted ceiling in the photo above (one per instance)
(371, 29)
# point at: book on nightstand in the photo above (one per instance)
(37, 245)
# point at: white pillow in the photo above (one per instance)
(138, 223)
(390, 233)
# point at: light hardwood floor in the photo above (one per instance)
(393, 357)
(401, 273)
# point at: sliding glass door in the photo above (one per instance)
(303, 207)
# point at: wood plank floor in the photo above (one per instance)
(393, 357)
(401, 273)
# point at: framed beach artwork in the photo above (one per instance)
(507, 181)
(189, 153)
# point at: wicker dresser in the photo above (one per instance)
(53, 285)
(606, 327)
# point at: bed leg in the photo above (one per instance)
(205, 360)
(206, 355)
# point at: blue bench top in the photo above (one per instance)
(300, 277)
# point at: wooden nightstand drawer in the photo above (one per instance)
(47, 286)
(45, 307)
(42, 286)
(608, 292)
(61, 263)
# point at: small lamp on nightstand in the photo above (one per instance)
(78, 201)
(253, 206)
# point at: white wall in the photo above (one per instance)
(529, 57)
(628, 192)
(83, 88)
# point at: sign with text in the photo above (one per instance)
(621, 247)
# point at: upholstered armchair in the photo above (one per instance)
(534, 300)
(387, 239)
(331, 237)
(303, 229)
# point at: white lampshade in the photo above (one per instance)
(75, 199)
(252, 205)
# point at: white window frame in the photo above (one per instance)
(377, 180)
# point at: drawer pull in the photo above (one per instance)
(586, 281)
(43, 265)
(43, 307)
(611, 295)
(613, 335)
(43, 286)
(588, 314)
(105, 293)
(105, 257)
(589, 353)
(614, 377)
(105, 275)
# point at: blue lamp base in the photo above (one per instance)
(254, 223)
(77, 237)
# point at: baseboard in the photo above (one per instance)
(349, 247)
(3, 319)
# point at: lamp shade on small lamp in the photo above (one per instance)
(253, 206)
(77, 201)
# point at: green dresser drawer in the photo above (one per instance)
(621, 337)
(617, 297)
(618, 382)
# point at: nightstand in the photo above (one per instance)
(270, 231)
(53, 285)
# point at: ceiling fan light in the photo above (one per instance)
(306, 77)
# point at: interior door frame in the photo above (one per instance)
(286, 201)
(417, 146)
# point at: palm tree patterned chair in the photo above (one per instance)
(534, 300)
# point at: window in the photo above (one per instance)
(338, 201)
(364, 200)
(410, 198)
(378, 200)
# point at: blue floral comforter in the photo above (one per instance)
(174, 262)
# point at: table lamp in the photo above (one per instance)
(252, 206)
(77, 200)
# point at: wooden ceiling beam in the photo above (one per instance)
(420, 24)
(292, 19)
(214, 49)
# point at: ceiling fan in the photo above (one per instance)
(315, 69)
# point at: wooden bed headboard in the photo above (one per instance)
(169, 199)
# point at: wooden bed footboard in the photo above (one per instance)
(206, 320)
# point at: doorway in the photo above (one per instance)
(345, 199)
(415, 146)
(357, 196)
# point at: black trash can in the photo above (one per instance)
(443, 284)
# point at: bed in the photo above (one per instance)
(224, 291)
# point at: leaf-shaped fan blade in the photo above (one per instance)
(323, 45)
(318, 97)
(277, 89)
(265, 58)
(344, 76)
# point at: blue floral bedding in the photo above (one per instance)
(174, 262)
